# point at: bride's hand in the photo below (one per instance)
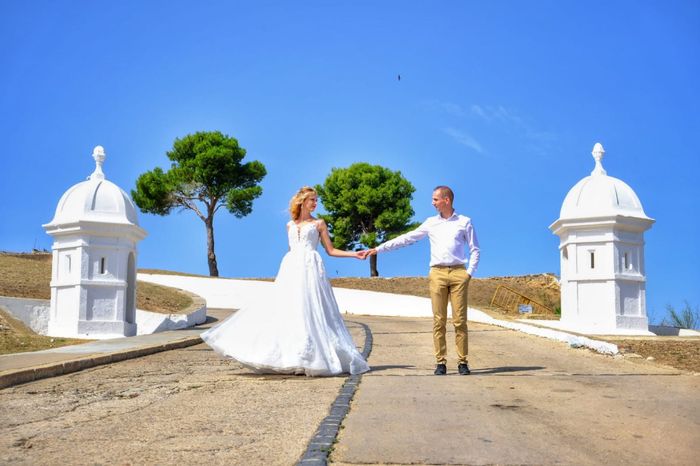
(360, 255)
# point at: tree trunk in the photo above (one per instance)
(211, 256)
(373, 266)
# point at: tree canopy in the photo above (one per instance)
(366, 205)
(207, 173)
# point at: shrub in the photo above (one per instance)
(685, 318)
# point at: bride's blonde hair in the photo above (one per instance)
(298, 199)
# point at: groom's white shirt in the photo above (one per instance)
(449, 239)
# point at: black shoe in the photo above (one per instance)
(463, 369)
(440, 369)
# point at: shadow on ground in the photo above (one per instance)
(497, 370)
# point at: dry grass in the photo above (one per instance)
(171, 272)
(29, 276)
(542, 288)
(678, 352)
(25, 275)
(163, 299)
(15, 337)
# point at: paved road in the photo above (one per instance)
(528, 401)
(177, 407)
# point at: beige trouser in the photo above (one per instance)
(449, 283)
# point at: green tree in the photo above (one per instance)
(366, 205)
(206, 174)
(684, 318)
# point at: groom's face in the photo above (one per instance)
(440, 202)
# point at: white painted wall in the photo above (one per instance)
(95, 231)
(601, 230)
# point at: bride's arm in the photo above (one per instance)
(328, 244)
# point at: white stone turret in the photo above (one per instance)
(93, 278)
(601, 228)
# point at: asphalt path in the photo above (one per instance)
(185, 406)
(529, 400)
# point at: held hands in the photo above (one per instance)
(366, 253)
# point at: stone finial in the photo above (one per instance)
(98, 153)
(598, 153)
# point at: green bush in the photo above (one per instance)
(685, 318)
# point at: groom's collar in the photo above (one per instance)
(453, 216)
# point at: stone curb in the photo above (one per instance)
(321, 444)
(20, 376)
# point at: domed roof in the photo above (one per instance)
(96, 200)
(600, 195)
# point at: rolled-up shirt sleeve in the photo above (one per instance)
(405, 239)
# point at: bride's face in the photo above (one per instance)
(310, 203)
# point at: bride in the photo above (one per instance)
(297, 329)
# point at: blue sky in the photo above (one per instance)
(501, 100)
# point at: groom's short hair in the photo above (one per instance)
(445, 191)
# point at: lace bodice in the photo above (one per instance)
(304, 235)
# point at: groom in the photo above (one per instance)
(450, 234)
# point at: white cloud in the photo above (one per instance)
(499, 118)
(513, 122)
(447, 107)
(498, 113)
(453, 109)
(480, 112)
(463, 138)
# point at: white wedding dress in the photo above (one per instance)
(296, 329)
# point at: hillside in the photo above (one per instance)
(542, 288)
(28, 275)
